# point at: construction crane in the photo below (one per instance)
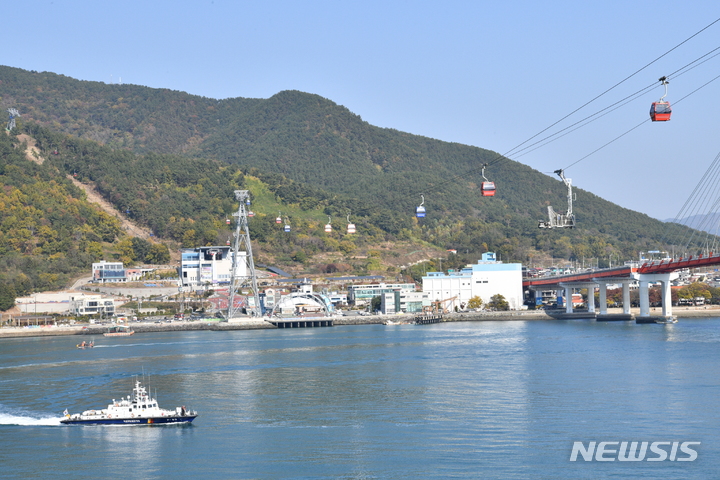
(440, 306)
(561, 220)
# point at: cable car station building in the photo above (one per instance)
(486, 278)
(207, 266)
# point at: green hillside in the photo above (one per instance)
(173, 159)
(48, 231)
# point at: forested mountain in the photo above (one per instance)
(172, 161)
(47, 229)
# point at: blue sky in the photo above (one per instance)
(489, 74)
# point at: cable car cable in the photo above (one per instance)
(591, 118)
(501, 157)
(617, 84)
(612, 107)
(694, 205)
(599, 114)
(636, 126)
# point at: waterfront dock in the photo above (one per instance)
(302, 322)
(253, 324)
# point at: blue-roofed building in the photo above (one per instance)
(486, 278)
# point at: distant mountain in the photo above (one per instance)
(709, 223)
(312, 157)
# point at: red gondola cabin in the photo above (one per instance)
(660, 111)
(488, 189)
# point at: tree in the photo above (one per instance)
(498, 302)
(300, 256)
(158, 254)
(695, 291)
(125, 251)
(475, 302)
(141, 249)
(375, 303)
(7, 296)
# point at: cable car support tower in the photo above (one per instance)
(243, 278)
(561, 220)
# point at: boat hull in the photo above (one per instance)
(130, 421)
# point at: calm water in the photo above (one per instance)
(462, 400)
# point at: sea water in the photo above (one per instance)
(451, 400)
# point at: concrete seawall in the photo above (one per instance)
(250, 324)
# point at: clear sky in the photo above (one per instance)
(489, 74)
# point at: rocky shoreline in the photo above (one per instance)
(254, 324)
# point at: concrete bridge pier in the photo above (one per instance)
(603, 283)
(570, 286)
(665, 279)
(626, 298)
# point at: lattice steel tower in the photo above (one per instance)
(243, 278)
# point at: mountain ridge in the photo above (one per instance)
(141, 146)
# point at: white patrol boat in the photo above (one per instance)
(138, 409)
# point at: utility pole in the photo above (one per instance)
(245, 278)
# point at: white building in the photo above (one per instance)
(91, 304)
(363, 294)
(485, 279)
(403, 301)
(209, 266)
(108, 272)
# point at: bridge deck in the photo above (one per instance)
(618, 272)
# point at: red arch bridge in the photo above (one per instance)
(661, 271)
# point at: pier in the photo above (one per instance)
(305, 323)
(428, 319)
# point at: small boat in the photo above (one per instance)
(138, 409)
(85, 345)
(119, 331)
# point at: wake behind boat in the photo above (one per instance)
(138, 409)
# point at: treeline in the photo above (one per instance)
(119, 115)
